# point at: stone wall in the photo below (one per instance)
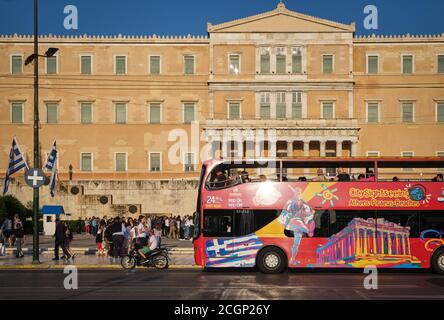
(177, 197)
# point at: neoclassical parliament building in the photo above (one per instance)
(277, 83)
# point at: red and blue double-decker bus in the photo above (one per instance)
(275, 215)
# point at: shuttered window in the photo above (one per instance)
(16, 64)
(189, 162)
(189, 64)
(86, 162)
(441, 63)
(17, 112)
(155, 161)
(296, 60)
(440, 111)
(120, 64)
(281, 106)
(52, 113)
(86, 112)
(154, 112)
(327, 110)
(234, 63)
(120, 112)
(265, 60)
(327, 63)
(155, 65)
(234, 110)
(373, 62)
(407, 112)
(86, 64)
(280, 60)
(407, 64)
(265, 108)
(188, 112)
(373, 112)
(296, 106)
(51, 65)
(121, 161)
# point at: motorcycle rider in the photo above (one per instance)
(149, 247)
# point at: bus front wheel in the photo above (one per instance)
(271, 260)
(438, 261)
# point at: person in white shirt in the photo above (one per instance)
(152, 245)
(167, 226)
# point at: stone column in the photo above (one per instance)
(306, 154)
(339, 148)
(322, 144)
(289, 148)
(353, 148)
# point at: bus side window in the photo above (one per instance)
(249, 221)
(433, 221)
(339, 220)
(321, 224)
(402, 218)
(218, 223)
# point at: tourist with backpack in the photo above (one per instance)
(19, 233)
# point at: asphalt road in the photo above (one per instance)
(217, 285)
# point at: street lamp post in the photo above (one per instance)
(35, 198)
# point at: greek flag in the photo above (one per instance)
(16, 163)
(51, 165)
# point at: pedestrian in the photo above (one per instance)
(118, 237)
(191, 228)
(187, 228)
(19, 233)
(172, 233)
(94, 226)
(178, 228)
(158, 234)
(69, 236)
(79, 226)
(7, 231)
(126, 238)
(59, 240)
(109, 238)
(167, 227)
(100, 239)
(87, 226)
(2, 244)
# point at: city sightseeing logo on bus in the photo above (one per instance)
(327, 195)
(418, 193)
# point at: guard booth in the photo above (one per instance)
(50, 214)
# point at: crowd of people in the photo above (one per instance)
(116, 236)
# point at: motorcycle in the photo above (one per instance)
(157, 258)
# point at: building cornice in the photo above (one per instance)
(406, 38)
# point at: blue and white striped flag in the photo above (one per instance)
(16, 163)
(51, 164)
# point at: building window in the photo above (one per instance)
(188, 112)
(120, 112)
(234, 63)
(327, 110)
(52, 112)
(372, 64)
(154, 64)
(407, 154)
(440, 111)
(121, 160)
(189, 64)
(372, 112)
(440, 63)
(327, 63)
(86, 64)
(281, 105)
(296, 106)
(86, 162)
(265, 60)
(86, 112)
(120, 64)
(407, 111)
(234, 110)
(281, 60)
(407, 64)
(155, 161)
(373, 154)
(265, 108)
(155, 112)
(16, 64)
(296, 60)
(17, 112)
(189, 162)
(441, 155)
(51, 65)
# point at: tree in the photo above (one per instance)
(10, 205)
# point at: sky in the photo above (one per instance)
(180, 17)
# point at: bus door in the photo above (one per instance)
(218, 233)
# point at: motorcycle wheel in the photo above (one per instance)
(161, 261)
(128, 262)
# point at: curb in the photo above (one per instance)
(91, 251)
(85, 266)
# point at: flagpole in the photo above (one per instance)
(35, 202)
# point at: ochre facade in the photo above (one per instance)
(332, 103)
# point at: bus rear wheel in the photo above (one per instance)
(272, 260)
(438, 261)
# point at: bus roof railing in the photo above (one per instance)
(333, 162)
